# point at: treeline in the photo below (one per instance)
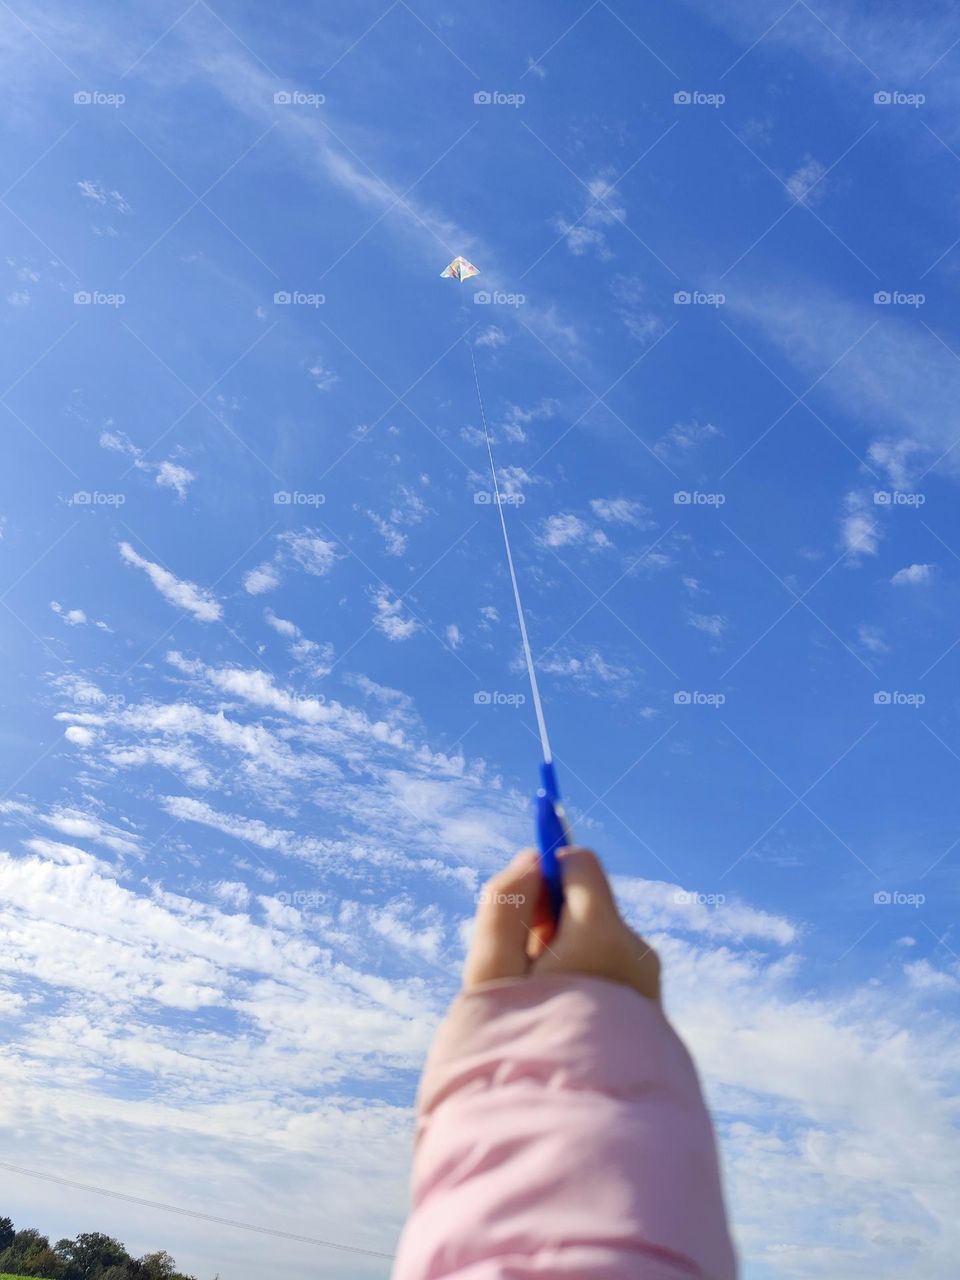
(91, 1256)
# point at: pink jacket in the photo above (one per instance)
(561, 1132)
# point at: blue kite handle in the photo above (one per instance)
(552, 834)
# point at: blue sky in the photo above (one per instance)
(259, 754)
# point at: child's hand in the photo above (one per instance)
(514, 933)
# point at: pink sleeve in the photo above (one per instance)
(561, 1132)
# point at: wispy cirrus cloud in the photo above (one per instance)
(198, 602)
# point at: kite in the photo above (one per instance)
(552, 830)
(460, 269)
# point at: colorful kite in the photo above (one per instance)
(460, 269)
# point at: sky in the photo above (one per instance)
(265, 723)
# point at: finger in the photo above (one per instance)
(586, 890)
(543, 926)
(504, 916)
(644, 966)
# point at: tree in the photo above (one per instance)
(29, 1254)
(158, 1266)
(42, 1262)
(90, 1254)
(24, 1243)
(29, 1238)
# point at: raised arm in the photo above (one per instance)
(561, 1129)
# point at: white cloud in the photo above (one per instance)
(75, 823)
(285, 628)
(176, 591)
(408, 509)
(517, 418)
(96, 191)
(323, 379)
(894, 457)
(454, 636)
(170, 475)
(232, 893)
(264, 577)
(314, 554)
(891, 371)
(621, 511)
(860, 530)
(24, 271)
(393, 698)
(683, 438)
(300, 548)
(640, 322)
(79, 736)
(588, 670)
(924, 977)
(805, 183)
(72, 617)
(871, 639)
(861, 535)
(603, 210)
(304, 652)
(912, 575)
(317, 657)
(568, 530)
(513, 481)
(389, 618)
(580, 238)
(395, 542)
(712, 624)
(493, 336)
(663, 905)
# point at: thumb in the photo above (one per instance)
(505, 915)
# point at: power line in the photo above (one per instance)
(194, 1213)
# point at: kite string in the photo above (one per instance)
(531, 670)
